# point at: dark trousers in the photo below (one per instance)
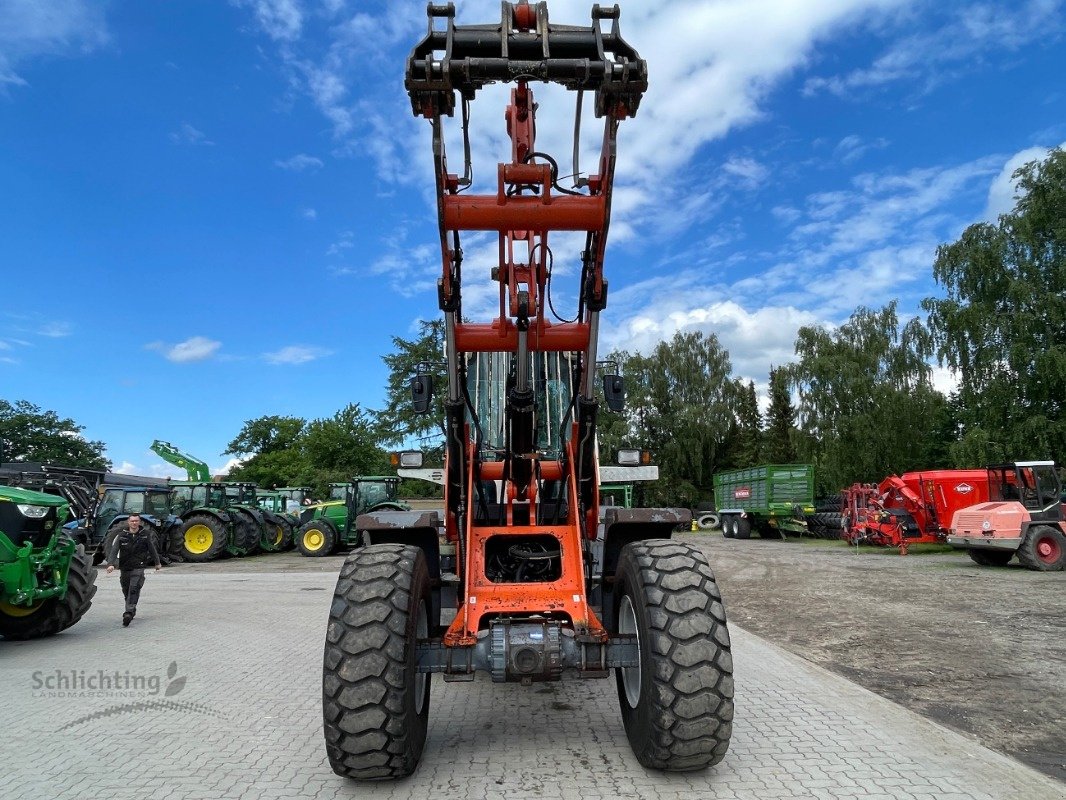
(132, 580)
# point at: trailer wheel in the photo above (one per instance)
(55, 614)
(375, 703)
(727, 526)
(990, 558)
(677, 704)
(204, 538)
(1043, 549)
(742, 528)
(317, 538)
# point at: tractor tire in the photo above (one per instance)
(375, 703)
(742, 528)
(246, 535)
(317, 538)
(677, 704)
(204, 538)
(55, 614)
(708, 521)
(273, 538)
(990, 558)
(289, 539)
(1043, 549)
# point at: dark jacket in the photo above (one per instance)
(133, 550)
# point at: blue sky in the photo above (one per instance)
(213, 211)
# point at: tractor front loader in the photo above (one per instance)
(540, 589)
(47, 581)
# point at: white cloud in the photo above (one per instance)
(197, 348)
(299, 163)
(224, 470)
(1002, 194)
(281, 20)
(126, 468)
(927, 57)
(309, 213)
(187, 134)
(31, 28)
(851, 148)
(296, 354)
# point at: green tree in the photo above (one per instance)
(398, 422)
(272, 451)
(341, 446)
(30, 434)
(748, 441)
(267, 434)
(779, 445)
(681, 407)
(867, 407)
(1002, 324)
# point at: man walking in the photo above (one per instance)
(131, 551)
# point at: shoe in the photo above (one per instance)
(127, 618)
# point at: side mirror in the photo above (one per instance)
(614, 392)
(422, 393)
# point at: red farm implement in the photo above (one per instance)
(913, 508)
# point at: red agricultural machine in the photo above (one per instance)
(913, 508)
(537, 585)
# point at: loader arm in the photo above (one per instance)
(196, 469)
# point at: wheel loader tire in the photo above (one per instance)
(709, 521)
(742, 528)
(375, 703)
(677, 704)
(317, 538)
(990, 558)
(1043, 549)
(55, 614)
(203, 539)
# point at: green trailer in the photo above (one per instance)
(769, 499)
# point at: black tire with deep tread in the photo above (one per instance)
(288, 541)
(1027, 553)
(329, 533)
(990, 558)
(371, 723)
(683, 719)
(246, 533)
(57, 615)
(220, 538)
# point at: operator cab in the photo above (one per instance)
(1034, 484)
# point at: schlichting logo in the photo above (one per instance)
(149, 692)
(102, 683)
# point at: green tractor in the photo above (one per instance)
(47, 581)
(329, 525)
(212, 527)
(243, 499)
(286, 509)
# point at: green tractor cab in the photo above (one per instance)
(47, 581)
(330, 525)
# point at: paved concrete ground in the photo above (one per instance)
(237, 716)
